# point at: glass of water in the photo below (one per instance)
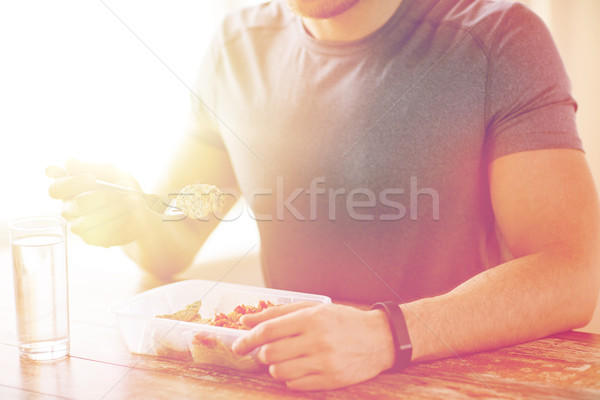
(39, 253)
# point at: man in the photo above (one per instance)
(416, 151)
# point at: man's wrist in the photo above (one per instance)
(399, 330)
(385, 339)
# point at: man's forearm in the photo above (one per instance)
(523, 299)
(168, 247)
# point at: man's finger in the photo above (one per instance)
(94, 199)
(101, 220)
(311, 382)
(64, 188)
(53, 171)
(295, 369)
(106, 237)
(286, 325)
(285, 349)
(252, 320)
(103, 171)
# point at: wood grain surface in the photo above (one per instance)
(564, 366)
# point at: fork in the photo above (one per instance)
(161, 204)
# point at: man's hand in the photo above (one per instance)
(100, 217)
(317, 347)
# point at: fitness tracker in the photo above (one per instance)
(399, 333)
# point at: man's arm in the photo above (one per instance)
(546, 207)
(168, 247)
(106, 218)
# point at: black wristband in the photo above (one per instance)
(399, 333)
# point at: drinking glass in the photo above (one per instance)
(39, 253)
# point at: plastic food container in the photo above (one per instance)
(144, 333)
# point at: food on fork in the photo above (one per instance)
(199, 200)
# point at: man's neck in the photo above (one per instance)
(359, 21)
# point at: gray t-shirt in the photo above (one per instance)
(394, 133)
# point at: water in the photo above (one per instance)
(41, 296)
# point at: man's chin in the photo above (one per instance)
(320, 9)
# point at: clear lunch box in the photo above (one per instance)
(144, 333)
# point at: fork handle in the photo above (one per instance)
(118, 188)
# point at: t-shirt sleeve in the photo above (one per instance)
(203, 122)
(528, 101)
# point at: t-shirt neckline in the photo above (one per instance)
(342, 48)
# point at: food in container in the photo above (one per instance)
(145, 333)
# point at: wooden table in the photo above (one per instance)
(100, 367)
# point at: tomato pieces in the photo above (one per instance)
(232, 320)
